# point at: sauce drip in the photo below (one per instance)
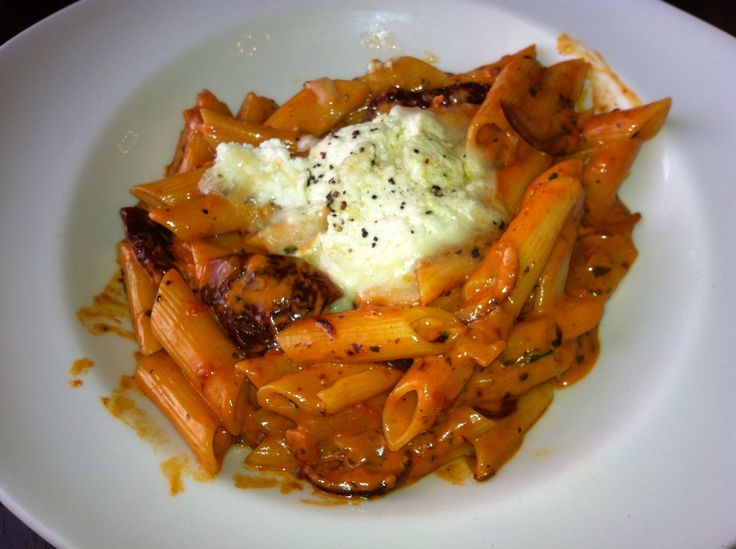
(172, 469)
(79, 367)
(108, 311)
(607, 89)
(122, 406)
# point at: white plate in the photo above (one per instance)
(638, 454)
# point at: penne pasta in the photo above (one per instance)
(171, 190)
(320, 106)
(407, 73)
(141, 292)
(188, 331)
(505, 279)
(497, 445)
(161, 380)
(262, 370)
(219, 128)
(369, 335)
(487, 73)
(256, 109)
(431, 384)
(208, 216)
(419, 259)
(326, 388)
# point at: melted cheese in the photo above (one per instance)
(397, 189)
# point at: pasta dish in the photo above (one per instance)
(381, 275)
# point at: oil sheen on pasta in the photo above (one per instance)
(370, 200)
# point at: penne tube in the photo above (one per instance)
(443, 272)
(431, 385)
(489, 131)
(218, 128)
(481, 343)
(255, 109)
(544, 115)
(197, 152)
(262, 370)
(189, 332)
(530, 337)
(498, 383)
(141, 292)
(505, 279)
(581, 354)
(576, 316)
(326, 388)
(497, 445)
(208, 100)
(270, 422)
(370, 334)
(273, 454)
(513, 179)
(486, 74)
(162, 382)
(407, 73)
(448, 439)
(192, 257)
(208, 216)
(320, 106)
(605, 169)
(552, 281)
(170, 191)
(642, 122)
(192, 150)
(355, 388)
(599, 262)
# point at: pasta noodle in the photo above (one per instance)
(250, 328)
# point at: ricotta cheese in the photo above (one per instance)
(396, 189)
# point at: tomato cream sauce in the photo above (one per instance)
(108, 312)
(608, 90)
(78, 368)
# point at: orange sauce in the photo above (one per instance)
(172, 469)
(456, 472)
(608, 90)
(259, 481)
(123, 407)
(79, 367)
(108, 311)
(285, 482)
(586, 354)
(324, 499)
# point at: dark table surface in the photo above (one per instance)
(21, 14)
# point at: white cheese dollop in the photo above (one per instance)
(397, 189)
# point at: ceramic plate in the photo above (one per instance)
(638, 454)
